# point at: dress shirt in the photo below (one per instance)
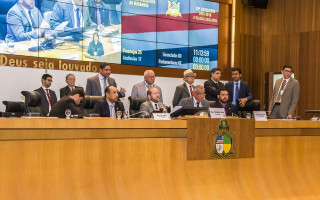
(285, 85)
(234, 92)
(75, 16)
(195, 103)
(26, 10)
(44, 89)
(188, 86)
(113, 111)
(101, 79)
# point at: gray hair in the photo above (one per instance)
(146, 72)
(198, 87)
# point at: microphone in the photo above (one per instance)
(235, 115)
(145, 114)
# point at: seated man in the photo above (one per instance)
(109, 106)
(197, 100)
(48, 97)
(72, 102)
(71, 85)
(184, 90)
(239, 91)
(213, 85)
(24, 22)
(140, 89)
(153, 104)
(223, 97)
(72, 11)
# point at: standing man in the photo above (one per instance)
(197, 100)
(239, 91)
(213, 85)
(285, 96)
(71, 85)
(48, 97)
(140, 89)
(71, 101)
(228, 107)
(153, 103)
(97, 84)
(24, 22)
(109, 106)
(184, 90)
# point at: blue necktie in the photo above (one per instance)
(98, 16)
(78, 17)
(32, 20)
(236, 94)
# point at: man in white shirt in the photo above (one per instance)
(184, 90)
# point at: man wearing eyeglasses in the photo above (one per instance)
(197, 100)
(140, 89)
(71, 85)
(48, 97)
(285, 96)
(184, 90)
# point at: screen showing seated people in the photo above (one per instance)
(160, 33)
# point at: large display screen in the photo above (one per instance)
(161, 33)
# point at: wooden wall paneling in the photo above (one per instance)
(273, 18)
(309, 72)
(250, 19)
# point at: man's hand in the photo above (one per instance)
(100, 27)
(242, 102)
(122, 90)
(43, 26)
(289, 117)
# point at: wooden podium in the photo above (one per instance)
(220, 138)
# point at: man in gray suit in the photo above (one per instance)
(197, 100)
(24, 22)
(184, 90)
(140, 89)
(153, 104)
(97, 84)
(285, 96)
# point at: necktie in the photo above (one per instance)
(156, 105)
(32, 20)
(236, 94)
(149, 86)
(98, 16)
(111, 111)
(49, 98)
(191, 92)
(283, 84)
(78, 17)
(198, 104)
(105, 84)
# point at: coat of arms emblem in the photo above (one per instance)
(173, 9)
(223, 141)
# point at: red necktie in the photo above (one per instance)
(50, 102)
(191, 90)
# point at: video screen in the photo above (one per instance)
(159, 33)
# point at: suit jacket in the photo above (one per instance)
(44, 106)
(139, 90)
(230, 108)
(289, 98)
(148, 107)
(58, 110)
(93, 86)
(244, 92)
(63, 11)
(182, 91)
(104, 12)
(47, 5)
(18, 26)
(188, 103)
(212, 89)
(65, 91)
(101, 107)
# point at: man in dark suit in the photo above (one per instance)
(97, 84)
(72, 102)
(222, 102)
(213, 85)
(197, 100)
(153, 104)
(71, 85)
(48, 97)
(285, 96)
(109, 106)
(73, 11)
(240, 94)
(101, 13)
(184, 90)
(24, 22)
(140, 89)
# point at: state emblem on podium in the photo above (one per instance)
(223, 141)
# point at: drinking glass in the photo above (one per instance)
(248, 115)
(119, 113)
(68, 113)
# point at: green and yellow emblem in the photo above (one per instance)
(223, 141)
(173, 8)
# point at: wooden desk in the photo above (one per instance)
(83, 159)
